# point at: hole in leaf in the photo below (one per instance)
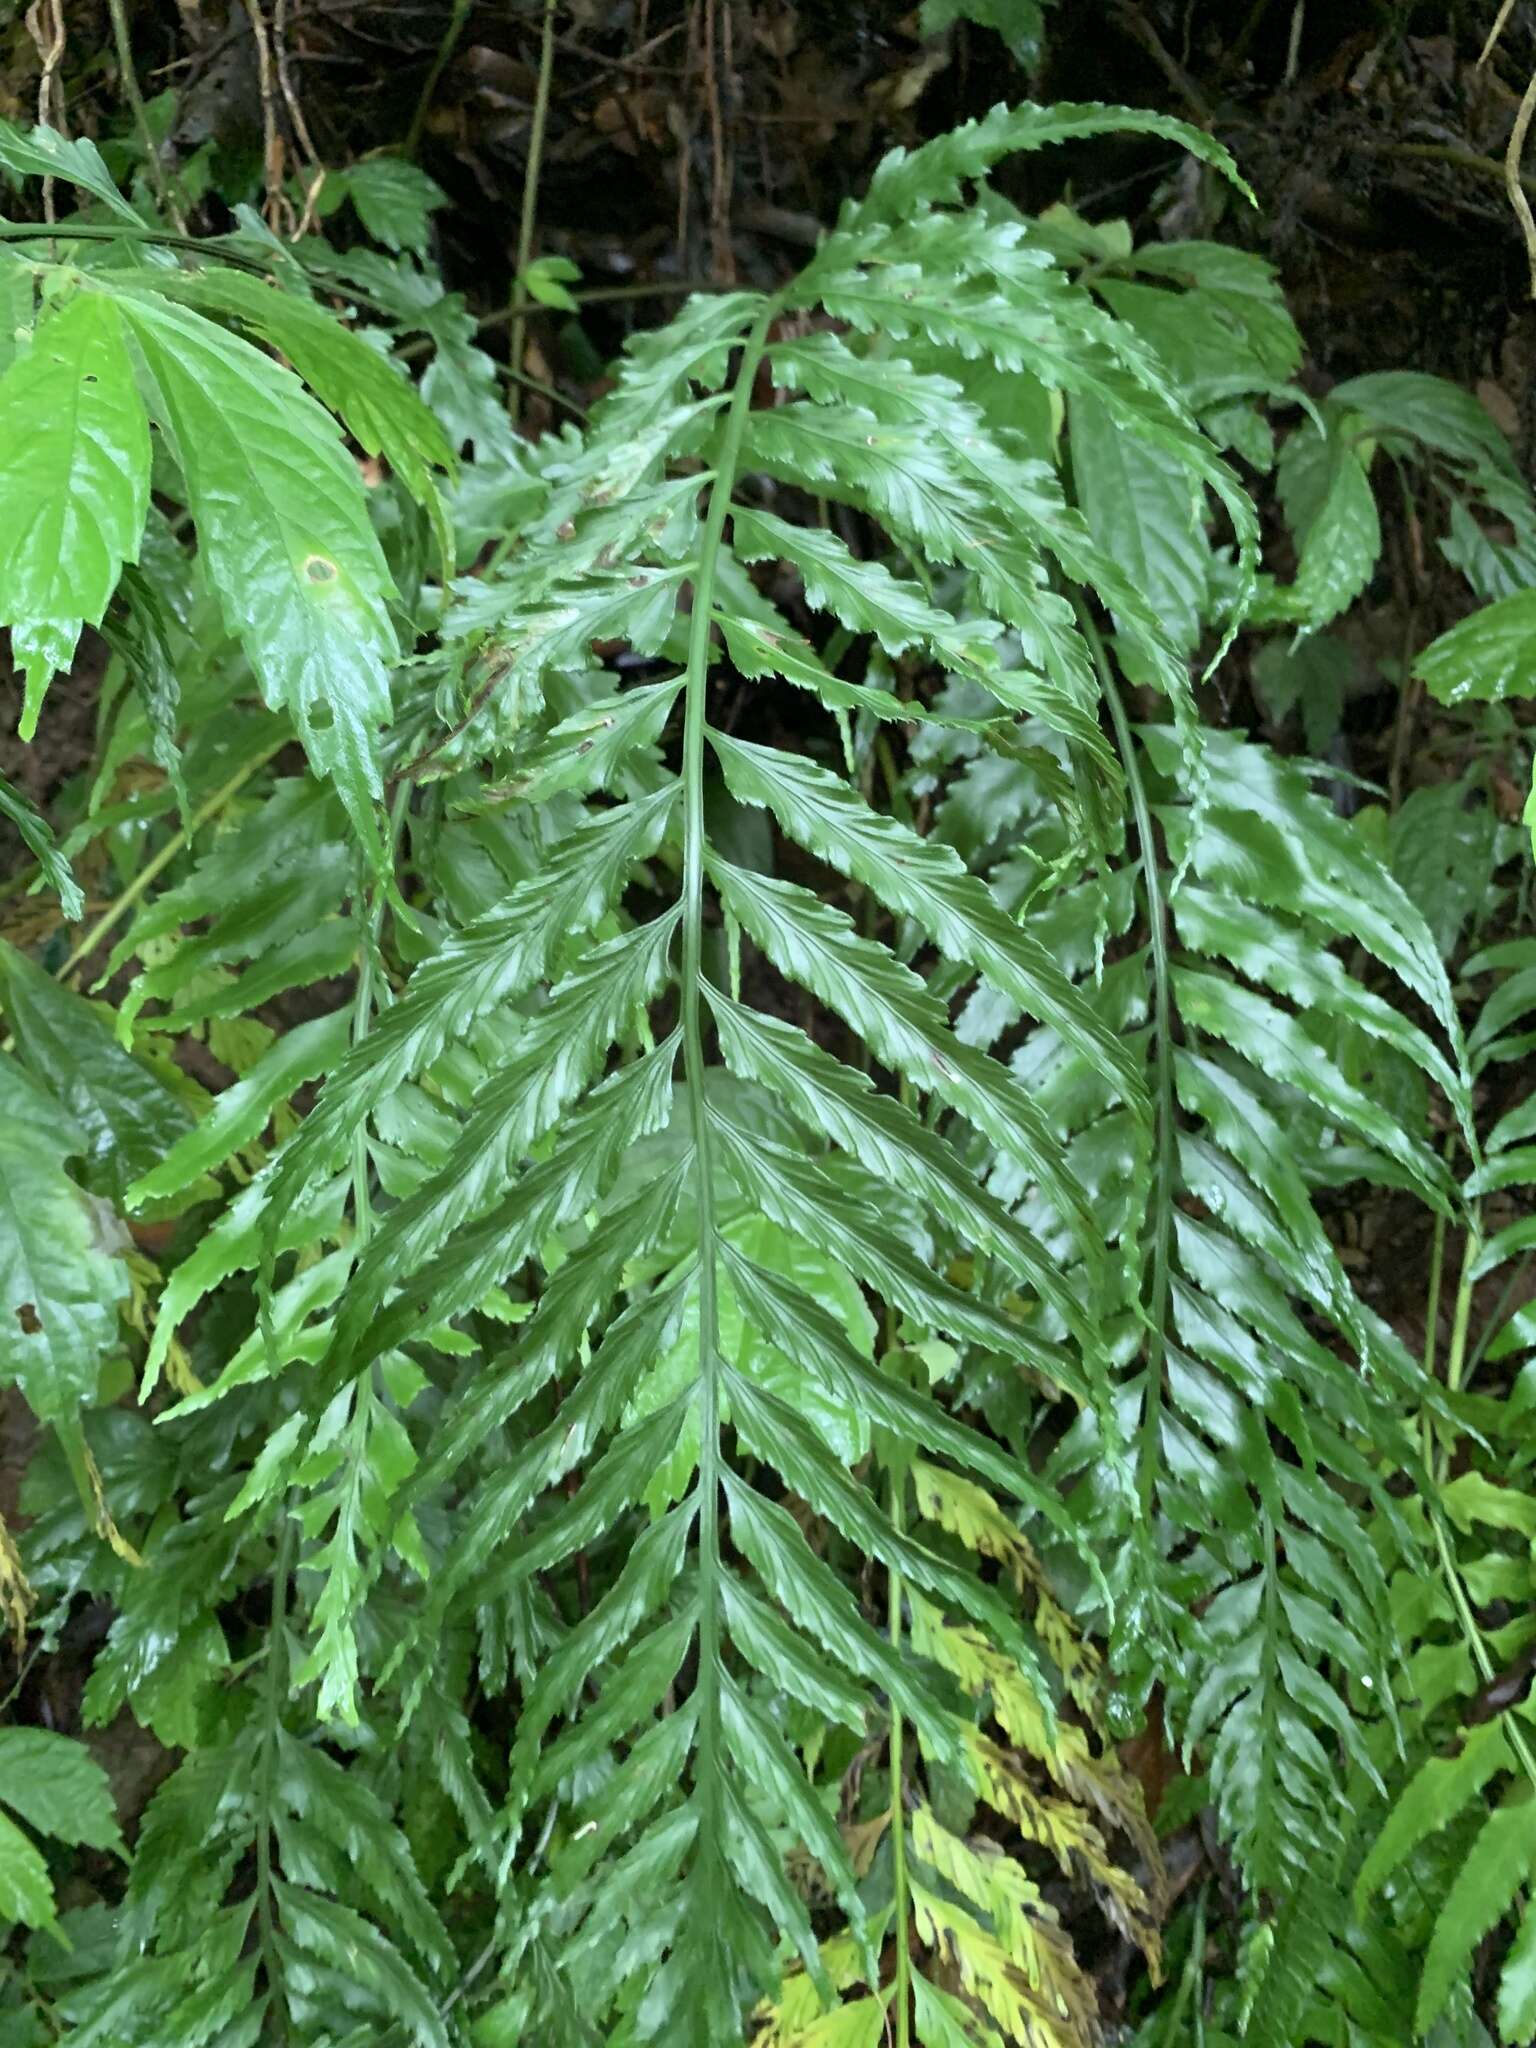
(89, 377)
(319, 570)
(29, 1319)
(321, 718)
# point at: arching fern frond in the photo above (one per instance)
(697, 1198)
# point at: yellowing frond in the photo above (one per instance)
(1039, 2014)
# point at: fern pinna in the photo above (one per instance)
(604, 1340)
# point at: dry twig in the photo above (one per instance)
(314, 171)
(530, 211)
(278, 210)
(45, 25)
(1513, 183)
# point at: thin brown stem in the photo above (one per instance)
(613, 294)
(518, 307)
(1513, 183)
(445, 50)
(722, 256)
(1137, 26)
(1488, 167)
(1293, 45)
(129, 79)
(278, 211)
(45, 25)
(118, 909)
(291, 100)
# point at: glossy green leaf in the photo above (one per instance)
(285, 539)
(587, 750)
(1492, 654)
(377, 403)
(26, 1893)
(817, 946)
(798, 1194)
(242, 1112)
(490, 962)
(1020, 23)
(904, 180)
(1222, 928)
(632, 1104)
(886, 1138)
(560, 1054)
(1517, 1985)
(1498, 1865)
(1144, 512)
(1271, 1038)
(61, 1269)
(44, 153)
(1339, 545)
(350, 1952)
(33, 830)
(129, 1117)
(923, 879)
(1444, 851)
(1429, 410)
(395, 201)
(74, 484)
(57, 1787)
(816, 1601)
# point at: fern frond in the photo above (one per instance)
(1291, 1661)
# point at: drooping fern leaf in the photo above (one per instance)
(1257, 1441)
